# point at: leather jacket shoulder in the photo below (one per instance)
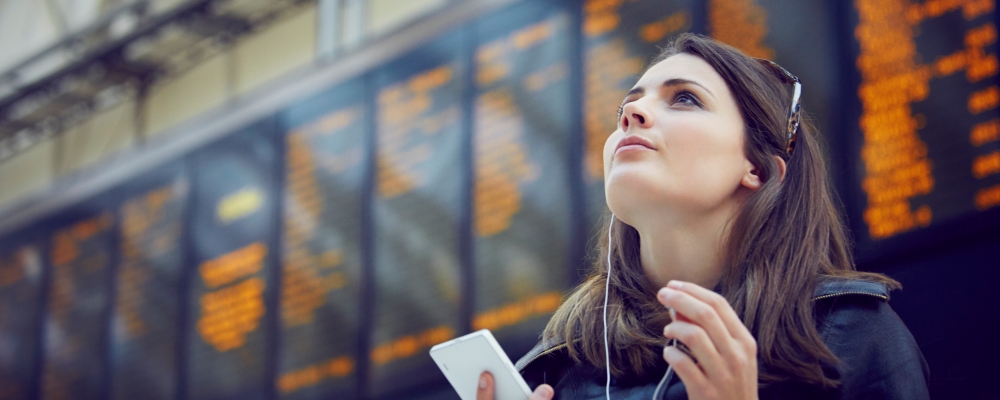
(879, 358)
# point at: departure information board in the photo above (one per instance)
(233, 231)
(20, 312)
(522, 142)
(419, 189)
(327, 165)
(928, 130)
(81, 258)
(147, 283)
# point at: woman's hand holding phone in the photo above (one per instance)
(486, 386)
(726, 352)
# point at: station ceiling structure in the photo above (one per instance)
(119, 56)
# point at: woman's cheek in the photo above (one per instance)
(609, 151)
(707, 183)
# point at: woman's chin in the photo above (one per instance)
(626, 191)
(632, 178)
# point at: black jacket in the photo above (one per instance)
(878, 357)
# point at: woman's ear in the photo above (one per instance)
(782, 167)
(752, 179)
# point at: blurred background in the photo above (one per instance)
(296, 199)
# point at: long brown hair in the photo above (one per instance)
(786, 237)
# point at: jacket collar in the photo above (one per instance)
(543, 347)
(833, 287)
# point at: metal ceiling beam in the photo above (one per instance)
(38, 109)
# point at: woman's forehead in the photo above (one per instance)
(683, 66)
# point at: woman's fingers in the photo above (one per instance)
(708, 317)
(692, 376)
(542, 392)
(485, 388)
(722, 308)
(695, 338)
(701, 314)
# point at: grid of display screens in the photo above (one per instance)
(321, 252)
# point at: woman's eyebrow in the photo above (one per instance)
(671, 82)
(679, 81)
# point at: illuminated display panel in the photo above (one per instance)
(144, 323)
(927, 146)
(80, 257)
(326, 165)
(234, 220)
(521, 140)
(619, 39)
(20, 297)
(419, 188)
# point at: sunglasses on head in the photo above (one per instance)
(793, 115)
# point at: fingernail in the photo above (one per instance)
(675, 284)
(482, 382)
(671, 354)
(545, 391)
(665, 294)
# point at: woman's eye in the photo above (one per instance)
(687, 98)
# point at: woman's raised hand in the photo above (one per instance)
(486, 387)
(725, 350)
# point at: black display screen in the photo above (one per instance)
(419, 188)
(326, 165)
(21, 276)
(232, 228)
(144, 324)
(522, 205)
(81, 255)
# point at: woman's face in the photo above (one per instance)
(678, 146)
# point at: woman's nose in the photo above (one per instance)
(635, 114)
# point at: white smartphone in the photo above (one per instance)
(462, 360)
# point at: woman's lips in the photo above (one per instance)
(633, 142)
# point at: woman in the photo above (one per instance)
(722, 212)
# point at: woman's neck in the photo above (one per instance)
(687, 249)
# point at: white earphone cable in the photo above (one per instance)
(607, 286)
(662, 386)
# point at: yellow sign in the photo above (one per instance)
(240, 204)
